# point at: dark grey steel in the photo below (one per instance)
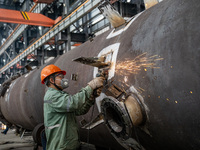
(164, 43)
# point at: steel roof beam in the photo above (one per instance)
(7, 6)
(19, 29)
(83, 9)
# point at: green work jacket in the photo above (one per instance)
(60, 110)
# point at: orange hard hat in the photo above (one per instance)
(50, 69)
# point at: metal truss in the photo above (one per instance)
(83, 9)
(19, 30)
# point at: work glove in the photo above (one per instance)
(92, 98)
(96, 93)
(96, 82)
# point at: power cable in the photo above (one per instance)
(88, 137)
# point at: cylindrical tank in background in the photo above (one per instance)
(155, 59)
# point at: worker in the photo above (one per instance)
(6, 130)
(60, 108)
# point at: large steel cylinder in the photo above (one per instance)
(155, 58)
(22, 103)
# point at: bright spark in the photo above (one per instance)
(125, 79)
(135, 65)
(141, 89)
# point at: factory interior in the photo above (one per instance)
(33, 44)
(149, 52)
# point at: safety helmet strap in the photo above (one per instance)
(54, 78)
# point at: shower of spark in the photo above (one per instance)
(135, 65)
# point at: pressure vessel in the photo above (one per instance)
(151, 98)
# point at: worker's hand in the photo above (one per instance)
(96, 82)
(92, 98)
(97, 92)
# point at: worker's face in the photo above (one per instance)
(58, 79)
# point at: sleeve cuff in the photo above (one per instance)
(89, 90)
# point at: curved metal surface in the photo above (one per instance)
(157, 59)
(22, 104)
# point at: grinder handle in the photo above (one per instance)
(101, 73)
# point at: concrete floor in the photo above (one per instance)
(11, 141)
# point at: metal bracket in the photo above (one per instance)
(112, 14)
(92, 61)
(95, 122)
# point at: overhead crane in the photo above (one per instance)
(79, 12)
(22, 17)
(20, 28)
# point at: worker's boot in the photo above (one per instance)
(3, 132)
